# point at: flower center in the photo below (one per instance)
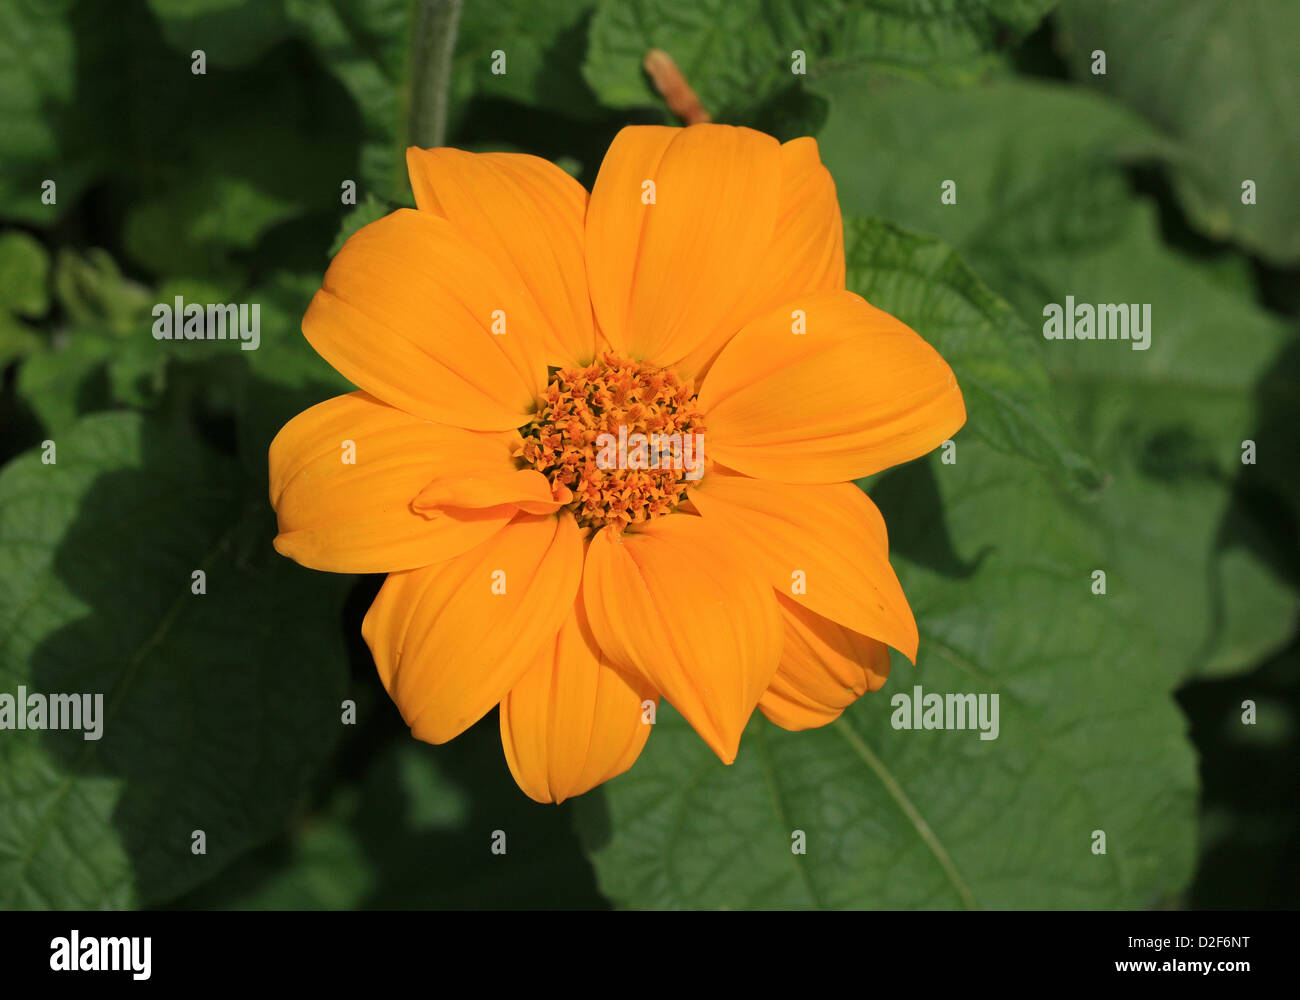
(620, 442)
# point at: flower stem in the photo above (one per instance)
(431, 55)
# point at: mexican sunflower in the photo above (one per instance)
(503, 329)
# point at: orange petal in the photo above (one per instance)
(669, 276)
(677, 601)
(407, 310)
(824, 669)
(527, 489)
(528, 215)
(822, 545)
(356, 516)
(450, 640)
(807, 249)
(573, 720)
(857, 392)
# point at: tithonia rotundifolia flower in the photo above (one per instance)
(604, 444)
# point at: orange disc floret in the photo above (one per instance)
(620, 442)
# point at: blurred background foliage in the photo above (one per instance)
(1120, 713)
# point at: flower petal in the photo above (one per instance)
(406, 311)
(527, 489)
(823, 545)
(668, 276)
(451, 640)
(807, 249)
(824, 668)
(528, 215)
(677, 601)
(573, 720)
(356, 517)
(856, 393)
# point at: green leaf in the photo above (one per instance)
(1043, 212)
(1219, 77)
(416, 832)
(997, 565)
(17, 340)
(737, 53)
(36, 80)
(102, 355)
(366, 45)
(1008, 402)
(1032, 164)
(24, 291)
(230, 33)
(191, 228)
(542, 41)
(217, 707)
(68, 380)
(24, 274)
(92, 290)
(1168, 425)
(107, 357)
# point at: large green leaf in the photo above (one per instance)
(997, 564)
(1008, 400)
(1168, 425)
(1032, 163)
(1043, 212)
(217, 707)
(1220, 77)
(737, 53)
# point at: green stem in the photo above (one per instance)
(431, 55)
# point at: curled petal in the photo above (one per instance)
(825, 667)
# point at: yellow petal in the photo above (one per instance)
(407, 311)
(668, 276)
(528, 215)
(573, 720)
(526, 489)
(807, 249)
(855, 393)
(344, 474)
(824, 669)
(678, 601)
(822, 545)
(450, 640)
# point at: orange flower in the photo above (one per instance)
(511, 338)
